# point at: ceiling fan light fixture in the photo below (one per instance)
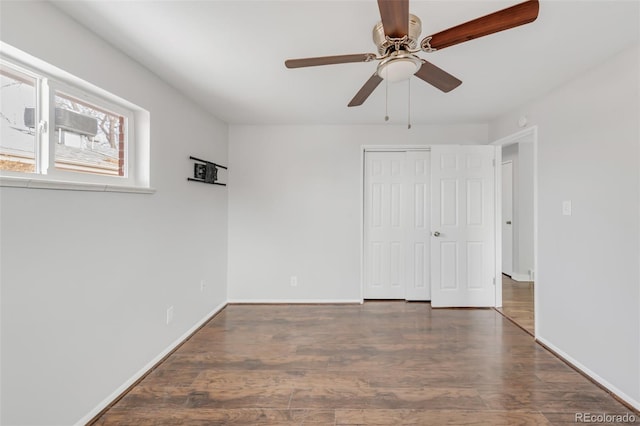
(399, 67)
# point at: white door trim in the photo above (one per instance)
(510, 269)
(395, 148)
(529, 135)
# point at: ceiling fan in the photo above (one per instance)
(396, 37)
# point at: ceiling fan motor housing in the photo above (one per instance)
(380, 39)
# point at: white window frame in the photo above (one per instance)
(129, 142)
(46, 176)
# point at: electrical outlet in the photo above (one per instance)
(294, 281)
(566, 208)
(202, 286)
(169, 314)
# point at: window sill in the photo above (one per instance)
(20, 182)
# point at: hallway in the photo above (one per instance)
(517, 303)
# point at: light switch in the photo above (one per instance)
(566, 208)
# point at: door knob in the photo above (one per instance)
(508, 222)
(436, 234)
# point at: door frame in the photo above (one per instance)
(502, 180)
(498, 205)
(527, 135)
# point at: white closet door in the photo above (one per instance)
(463, 222)
(384, 251)
(418, 189)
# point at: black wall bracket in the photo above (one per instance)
(206, 172)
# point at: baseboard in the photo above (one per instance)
(520, 277)
(148, 367)
(295, 301)
(617, 393)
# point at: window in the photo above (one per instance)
(17, 139)
(57, 128)
(88, 138)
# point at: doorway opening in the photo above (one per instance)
(518, 206)
(518, 303)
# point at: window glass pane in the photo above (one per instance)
(89, 138)
(17, 120)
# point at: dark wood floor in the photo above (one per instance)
(517, 302)
(378, 363)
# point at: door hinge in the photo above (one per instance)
(493, 162)
(494, 280)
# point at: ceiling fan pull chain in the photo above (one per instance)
(386, 100)
(409, 105)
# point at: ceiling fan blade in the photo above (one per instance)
(395, 17)
(438, 78)
(328, 60)
(366, 90)
(511, 17)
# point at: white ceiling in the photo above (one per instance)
(229, 56)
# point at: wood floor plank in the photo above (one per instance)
(206, 416)
(255, 379)
(438, 418)
(594, 400)
(414, 398)
(377, 363)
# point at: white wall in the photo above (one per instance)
(295, 205)
(588, 281)
(86, 277)
(521, 156)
